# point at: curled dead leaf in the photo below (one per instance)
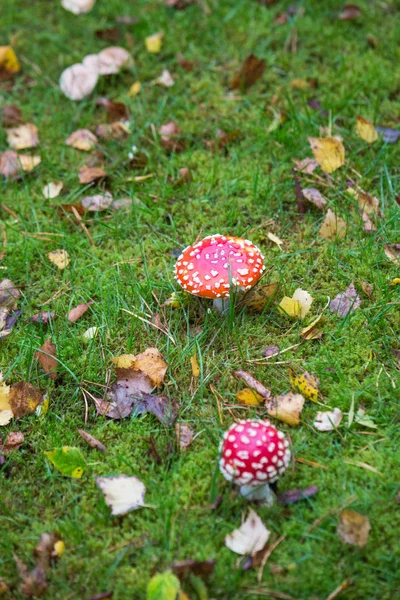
(184, 435)
(353, 528)
(328, 152)
(47, 358)
(59, 257)
(251, 71)
(23, 136)
(76, 313)
(332, 226)
(286, 408)
(91, 174)
(24, 398)
(82, 139)
(171, 137)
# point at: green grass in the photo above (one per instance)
(235, 192)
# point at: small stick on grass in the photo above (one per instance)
(82, 225)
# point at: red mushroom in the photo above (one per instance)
(253, 454)
(214, 266)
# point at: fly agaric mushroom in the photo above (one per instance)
(253, 454)
(214, 266)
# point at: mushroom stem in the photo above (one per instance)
(262, 493)
(221, 305)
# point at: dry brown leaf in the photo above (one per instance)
(328, 152)
(366, 202)
(270, 351)
(152, 364)
(250, 72)
(92, 441)
(90, 174)
(47, 358)
(366, 130)
(23, 136)
(251, 536)
(24, 398)
(116, 111)
(332, 226)
(113, 131)
(97, 203)
(345, 302)
(13, 441)
(77, 312)
(171, 137)
(306, 166)
(59, 257)
(292, 496)
(184, 435)
(368, 226)
(353, 528)
(44, 317)
(187, 65)
(367, 288)
(392, 252)
(9, 294)
(185, 176)
(312, 331)
(286, 408)
(350, 12)
(34, 582)
(82, 139)
(260, 297)
(10, 166)
(11, 115)
(253, 383)
(315, 197)
(165, 79)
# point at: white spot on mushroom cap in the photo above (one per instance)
(244, 439)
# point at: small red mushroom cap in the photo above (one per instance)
(210, 267)
(254, 452)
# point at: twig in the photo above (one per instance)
(310, 463)
(266, 556)
(214, 391)
(253, 383)
(343, 586)
(86, 405)
(294, 347)
(9, 211)
(82, 224)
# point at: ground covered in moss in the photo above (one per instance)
(346, 68)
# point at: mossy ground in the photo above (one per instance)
(234, 192)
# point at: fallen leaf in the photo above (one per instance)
(249, 397)
(366, 130)
(78, 7)
(122, 493)
(59, 257)
(90, 334)
(3, 586)
(185, 176)
(91, 174)
(392, 252)
(260, 297)
(332, 226)
(171, 137)
(23, 136)
(11, 115)
(312, 331)
(52, 190)
(274, 238)
(329, 420)
(97, 203)
(363, 419)
(304, 299)
(153, 42)
(353, 528)
(82, 139)
(116, 111)
(110, 34)
(270, 351)
(346, 302)
(135, 88)
(328, 152)
(150, 362)
(286, 408)
(368, 226)
(163, 586)
(202, 568)
(8, 320)
(315, 197)
(9, 294)
(187, 65)
(306, 166)
(92, 441)
(251, 536)
(253, 383)
(111, 60)
(184, 435)
(113, 131)
(24, 398)
(34, 582)
(78, 81)
(292, 496)
(366, 202)
(44, 317)
(395, 281)
(350, 12)
(178, 4)
(250, 72)
(306, 383)
(47, 358)
(6, 413)
(9, 64)
(13, 441)
(27, 162)
(76, 313)
(69, 461)
(165, 79)
(300, 84)
(290, 307)
(390, 135)
(195, 366)
(367, 288)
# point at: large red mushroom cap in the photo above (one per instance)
(210, 267)
(253, 453)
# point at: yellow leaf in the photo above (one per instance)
(23, 136)
(4, 395)
(27, 162)
(328, 152)
(304, 299)
(249, 397)
(306, 383)
(134, 89)
(395, 281)
(58, 549)
(195, 366)
(366, 130)
(286, 408)
(300, 84)
(153, 42)
(332, 226)
(274, 238)
(8, 61)
(125, 361)
(289, 307)
(59, 257)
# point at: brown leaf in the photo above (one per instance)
(90, 174)
(253, 383)
(77, 312)
(24, 398)
(43, 317)
(46, 357)
(124, 403)
(13, 441)
(11, 115)
(171, 137)
(116, 111)
(110, 34)
(23, 136)
(270, 351)
(10, 165)
(185, 176)
(150, 362)
(369, 226)
(350, 12)
(113, 131)
(367, 288)
(250, 72)
(292, 496)
(187, 65)
(97, 203)
(260, 297)
(332, 226)
(353, 528)
(82, 139)
(184, 435)
(92, 441)
(392, 252)
(201, 568)
(34, 583)
(306, 166)
(138, 161)
(345, 302)
(8, 294)
(315, 197)
(286, 408)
